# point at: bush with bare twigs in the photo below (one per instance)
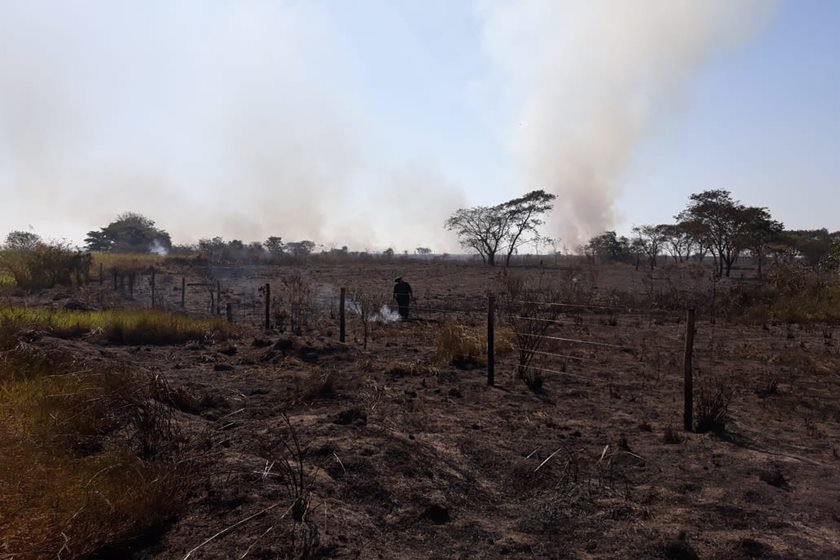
(366, 306)
(530, 307)
(294, 303)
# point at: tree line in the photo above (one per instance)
(716, 225)
(713, 224)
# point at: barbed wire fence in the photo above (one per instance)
(548, 334)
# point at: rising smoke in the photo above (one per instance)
(587, 80)
(250, 119)
(241, 119)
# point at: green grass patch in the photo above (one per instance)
(118, 326)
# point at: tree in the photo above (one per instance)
(649, 241)
(831, 262)
(129, 233)
(212, 249)
(718, 221)
(758, 232)
(523, 217)
(677, 240)
(481, 229)
(609, 246)
(423, 251)
(811, 245)
(22, 240)
(489, 230)
(274, 245)
(300, 248)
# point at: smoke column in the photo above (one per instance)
(586, 80)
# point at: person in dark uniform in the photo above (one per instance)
(402, 295)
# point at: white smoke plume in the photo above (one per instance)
(242, 119)
(586, 80)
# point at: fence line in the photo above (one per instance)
(433, 310)
(558, 304)
(574, 340)
(621, 309)
(583, 377)
(564, 356)
(257, 299)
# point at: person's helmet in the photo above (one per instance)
(398, 279)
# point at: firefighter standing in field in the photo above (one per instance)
(402, 295)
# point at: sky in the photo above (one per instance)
(368, 123)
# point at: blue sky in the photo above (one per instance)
(762, 121)
(368, 122)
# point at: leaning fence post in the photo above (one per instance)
(183, 291)
(268, 306)
(491, 356)
(688, 383)
(342, 325)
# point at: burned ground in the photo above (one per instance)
(404, 456)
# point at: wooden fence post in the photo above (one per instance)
(688, 382)
(268, 306)
(218, 297)
(131, 284)
(151, 283)
(342, 325)
(491, 355)
(101, 278)
(183, 292)
(229, 312)
(116, 285)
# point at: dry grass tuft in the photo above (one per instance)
(319, 386)
(119, 326)
(128, 261)
(713, 396)
(90, 460)
(461, 345)
(791, 294)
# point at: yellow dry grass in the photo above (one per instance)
(66, 489)
(458, 342)
(127, 261)
(119, 326)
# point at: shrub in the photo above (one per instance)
(530, 306)
(712, 401)
(45, 266)
(790, 294)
